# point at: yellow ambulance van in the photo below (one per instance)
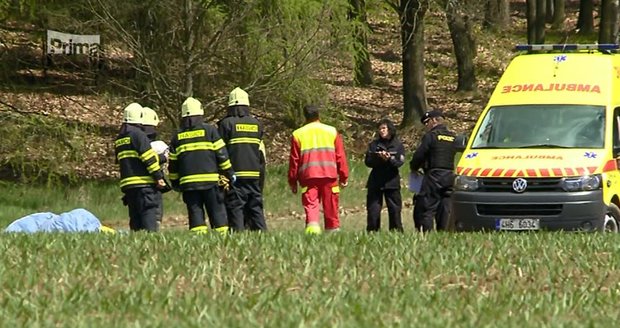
(545, 151)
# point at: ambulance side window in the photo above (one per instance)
(616, 132)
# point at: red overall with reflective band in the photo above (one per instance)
(318, 161)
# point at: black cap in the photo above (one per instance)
(430, 114)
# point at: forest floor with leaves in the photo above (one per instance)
(362, 106)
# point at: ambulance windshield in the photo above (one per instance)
(542, 126)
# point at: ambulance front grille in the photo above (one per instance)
(519, 209)
(533, 184)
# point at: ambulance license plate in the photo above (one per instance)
(517, 224)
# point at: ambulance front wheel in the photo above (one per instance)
(612, 218)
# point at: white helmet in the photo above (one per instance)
(132, 114)
(191, 107)
(238, 97)
(149, 117)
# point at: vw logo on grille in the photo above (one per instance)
(519, 185)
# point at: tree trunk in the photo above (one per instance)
(497, 15)
(363, 66)
(190, 39)
(464, 44)
(585, 22)
(531, 21)
(608, 30)
(549, 8)
(541, 8)
(559, 14)
(412, 38)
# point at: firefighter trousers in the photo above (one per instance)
(433, 201)
(317, 191)
(210, 199)
(145, 208)
(244, 206)
(374, 203)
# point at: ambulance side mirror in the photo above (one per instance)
(460, 143)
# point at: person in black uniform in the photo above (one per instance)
(150, 121)
(197, 157)
(385, 155)
(243, 135)
(141, 174)
(435, 156)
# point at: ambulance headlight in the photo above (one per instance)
(465, 183)
(583, 183)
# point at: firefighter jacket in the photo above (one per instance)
(197, 156)
(317, 151)
(242, 134)
(436, 150)
(384, 174)
(139, 164)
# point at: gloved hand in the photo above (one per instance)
(224, 182)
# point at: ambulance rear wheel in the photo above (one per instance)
(612, 218)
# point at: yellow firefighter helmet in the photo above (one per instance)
(238, 97)
(149, 117)
(132, 113)
(191, 107)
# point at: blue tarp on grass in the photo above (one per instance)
(78, 220)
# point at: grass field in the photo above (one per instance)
(287, 279)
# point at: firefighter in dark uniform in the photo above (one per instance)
(197, 157)
(243, 135)
(385, 155)
(150, 121)
(435, 156)
(141, 174)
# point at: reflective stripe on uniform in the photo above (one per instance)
(153, 167)
(200, 229)
(225, 165)
(148, 154)
(319, 149)
(137, 180)
(201, 145)
(318, 163)
(244, 140)
(250, 174)
(219, 144)
(127, 154)
(207, 177)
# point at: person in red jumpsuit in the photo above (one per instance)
(318, 163)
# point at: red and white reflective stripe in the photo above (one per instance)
(543, 172)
